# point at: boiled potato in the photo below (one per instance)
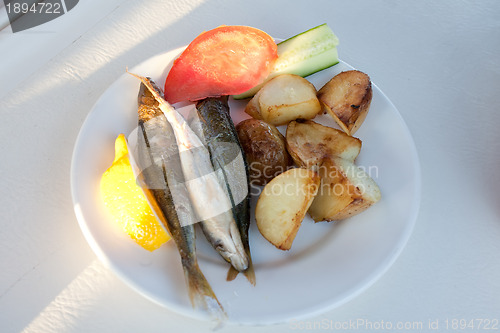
(265, 150)
(345, 190)
(253, 107)
(283, 204)
(347, 97)
(309, 143)
(284, 98)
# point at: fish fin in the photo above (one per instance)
(249, 272)
(201, 294)
(232, 273)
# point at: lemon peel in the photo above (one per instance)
(127, 203)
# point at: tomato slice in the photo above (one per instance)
(227, 60)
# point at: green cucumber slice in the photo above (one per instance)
(304, 54)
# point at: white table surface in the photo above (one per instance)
(438, 61)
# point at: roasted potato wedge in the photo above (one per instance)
(253, 107)
(347, 97)
(345, 190)
(283, 204)
(309, 143)
(265, 150)
(284, 98)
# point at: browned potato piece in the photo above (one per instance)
(347, 97)
(283, 204)
(284, 98)
(345, 190)
(309, 143)
(265, 150)
(253, 107)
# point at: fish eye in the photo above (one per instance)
(219, 245)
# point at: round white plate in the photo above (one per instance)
(329, 263)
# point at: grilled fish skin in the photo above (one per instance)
(228, 158)
(208, 197)
(161, 170)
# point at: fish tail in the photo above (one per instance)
(201, 294)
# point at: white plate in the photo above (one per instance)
(329, 263)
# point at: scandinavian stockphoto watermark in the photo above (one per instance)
(336, 187)
(26, 14)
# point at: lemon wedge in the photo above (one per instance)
(127, 203)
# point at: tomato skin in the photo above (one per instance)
(227, 60)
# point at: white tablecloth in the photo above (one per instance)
(438, 61)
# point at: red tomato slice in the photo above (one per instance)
(227, 60)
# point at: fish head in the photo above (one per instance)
(230, 247)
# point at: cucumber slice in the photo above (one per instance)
(304, 54)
